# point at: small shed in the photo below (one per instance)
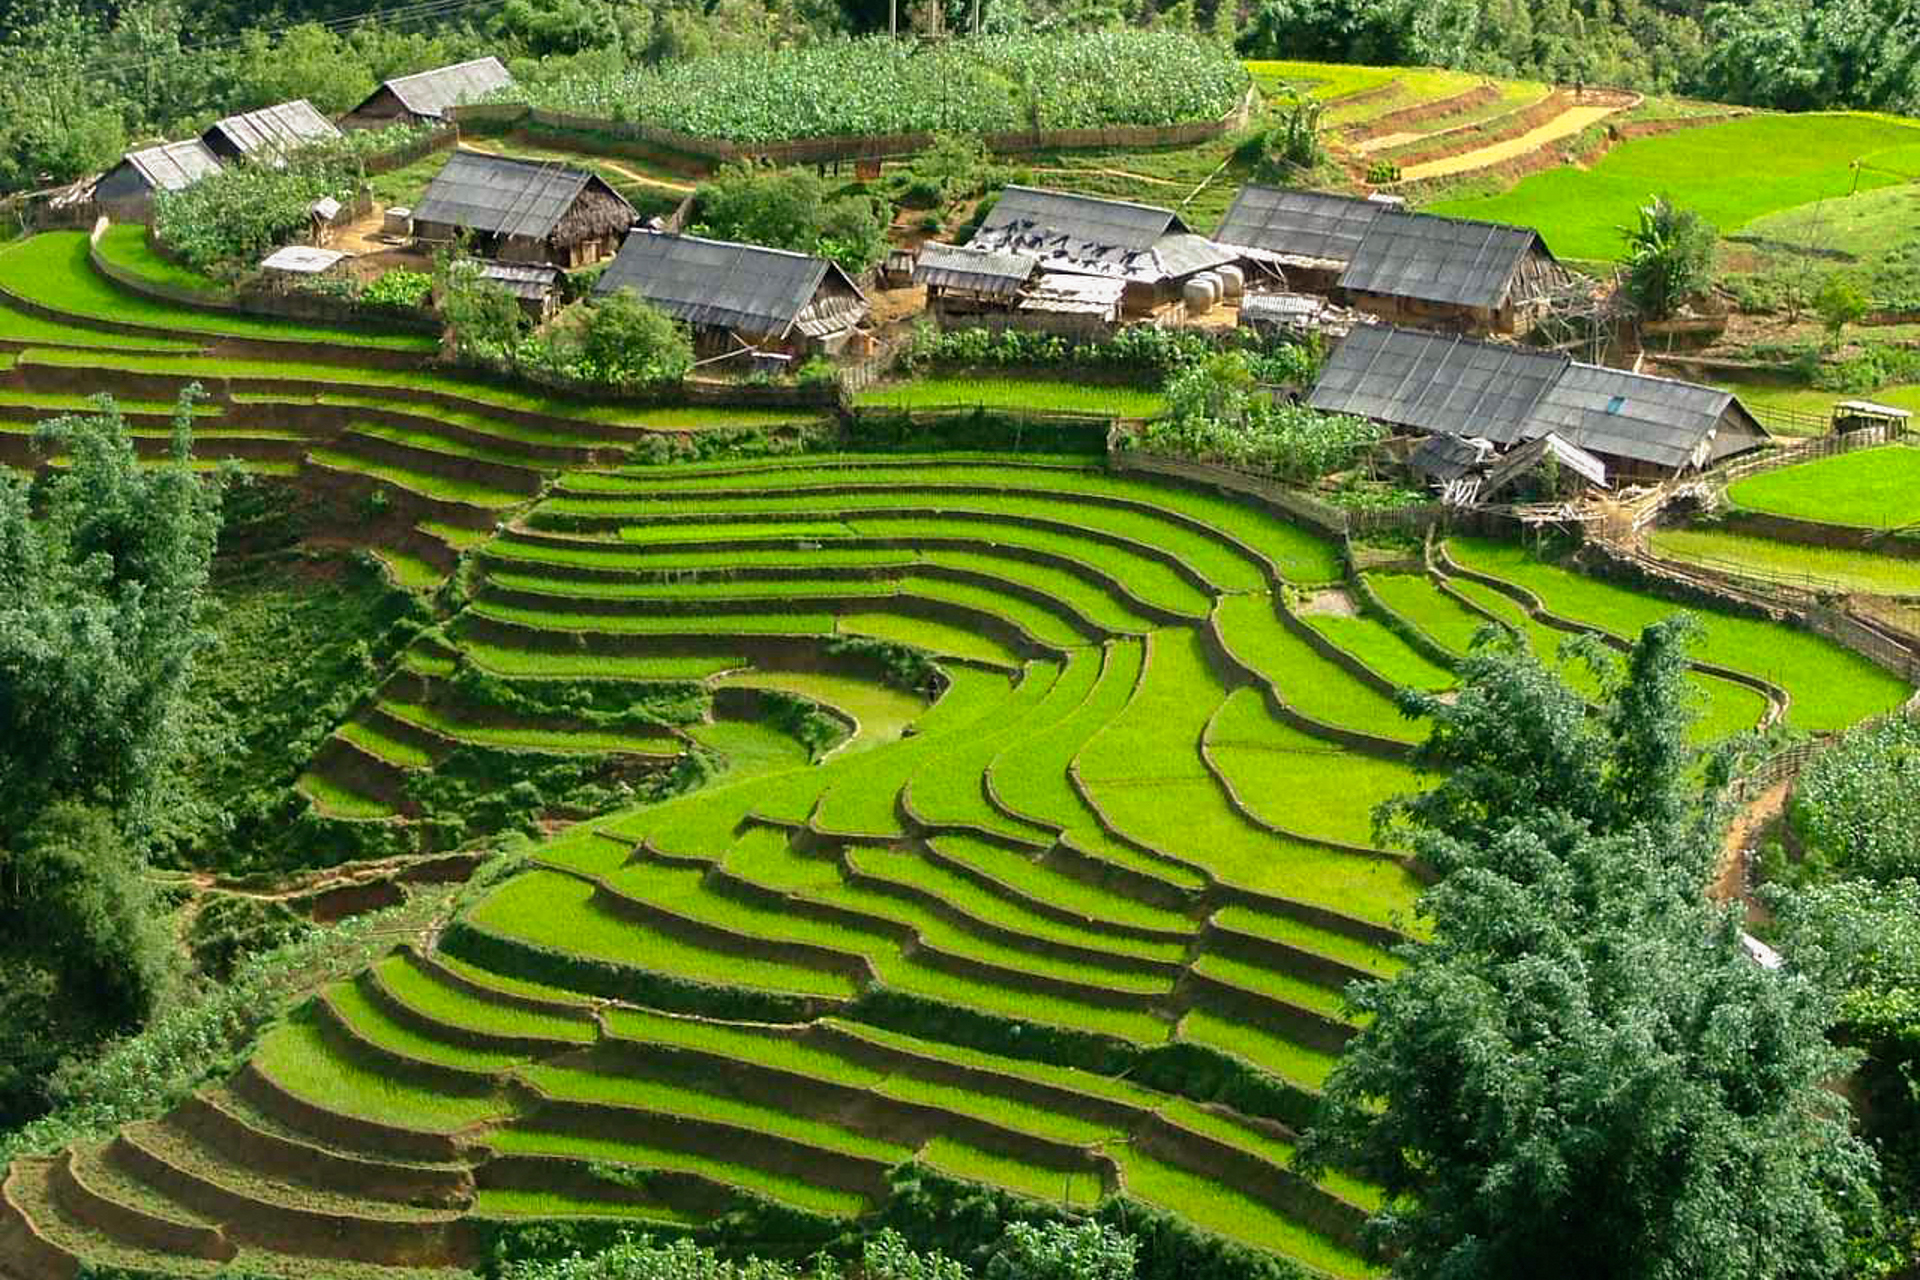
(1150, 250)
(535, 288)
(1577, 468)
(740, 298)
(268, 133)
(963, 282)
(126, 191)
(523, 211)
(1472, 277)
(1865, 415)
(301, 261)
(425, 96)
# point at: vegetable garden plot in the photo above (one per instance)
(979, 84)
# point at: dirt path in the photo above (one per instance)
(1114, 173)
(1385, 141)
(1743, 840)
(1564, 125)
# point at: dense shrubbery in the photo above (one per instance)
(879, 86)
(792, 209)
(1145, 349)
(1857, 806)
(1219, 414)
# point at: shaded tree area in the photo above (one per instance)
(1581, 1071)
(103, 575)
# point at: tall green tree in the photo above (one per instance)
(1581, 1072)
(101, 591)
(1669, 257)
(100, 600)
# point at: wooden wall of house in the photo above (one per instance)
(123, 194)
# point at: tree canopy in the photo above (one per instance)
(1580, 1071)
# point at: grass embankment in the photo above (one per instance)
(1783, 160)
(125, 245)
(1817, 568)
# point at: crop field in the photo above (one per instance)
(1059, 819)
(1048, 395)
(1814, 568)
(1868, 488)
(1785, 161)
(876, 86)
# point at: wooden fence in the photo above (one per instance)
(1792, 455)
(800, 151)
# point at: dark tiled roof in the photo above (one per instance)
(719, 282)
(277, 128)
(1442, 260)
(173, 166)
(1443, 457)
(1436, 383)
(1283, 222)
(430, 93)
(502, 196)
(1631, 415)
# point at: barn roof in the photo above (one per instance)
(1285, 223)
(1632, 415)
(949, 266)
(430, 93)
(1436, 383)
(173, 166)
(504, 196)
(720, 282)
(1065, 231)
(277, 128)
(1451, 261)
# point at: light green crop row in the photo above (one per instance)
(1431, 611)
(675, 1098)
(374, 1025)
(1381, 651)
(428, 483)
(553, 910)
(1038, 880)
(931, 636)
(534, 737)
(296, 1055)
(416, 986)
(369, 738)
(796, 623)
(1312, 684)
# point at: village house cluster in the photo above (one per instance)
(1425, 313)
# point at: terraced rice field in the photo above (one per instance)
(991, 928)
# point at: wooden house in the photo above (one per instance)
(125, 192)
(1403, 267)
(1641, 428)
(523, 211)
(1149, 250)
(269, 132)
(741, 299)
(425, 96)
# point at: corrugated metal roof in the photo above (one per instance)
(1630, 415)
(719, 282)
(522, 280)
(1436, 383)
(500, 195)
(430, 93)
(1183, 254)
(1432, 259)
(1307, 226)
(1526, 457)
(1441, 458)
(948, 266)
(301, 259)
(277, 128)
(174, 166)
(1061, 294)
